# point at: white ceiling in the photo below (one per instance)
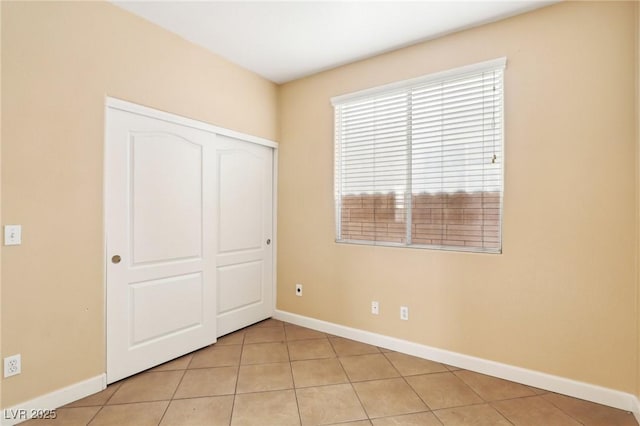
(286, 40)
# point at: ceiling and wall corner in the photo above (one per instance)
(287, 40)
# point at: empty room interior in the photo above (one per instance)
(356, 213)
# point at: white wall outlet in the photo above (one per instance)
(298, 289)
(12, 235)
(12, 365)
(375, 308)
(404, 313)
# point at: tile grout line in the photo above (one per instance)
(453, 373)
(173, 394)
(350, 382)
(491, 404)
(100, 409)
(480, 396)
(293, 380)
(560, 408)
(94, 416)
(104, 405)
(410, 387)
(235, 390)
(434, 412)
(500, 412)
(485, 401)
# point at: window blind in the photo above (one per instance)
(419, 163)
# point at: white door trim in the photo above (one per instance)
(185, 121)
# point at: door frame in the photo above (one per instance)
(119, 104)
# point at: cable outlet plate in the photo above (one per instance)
(12, 235)
(12, 365)
(298, 289)
(375, 308)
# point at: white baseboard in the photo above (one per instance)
(586, 391)
(24, 411)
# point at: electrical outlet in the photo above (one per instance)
(12, 365)
(375, 308)
(298, 289)
(404, 313)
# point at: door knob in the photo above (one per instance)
(268, 241)
(116, 259)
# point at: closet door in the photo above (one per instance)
(160, 219)
(244, 233)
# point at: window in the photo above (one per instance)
(419, 163)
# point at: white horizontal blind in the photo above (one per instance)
(420, 163)
(373, 162)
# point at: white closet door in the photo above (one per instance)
(161, 222)
(244, 257)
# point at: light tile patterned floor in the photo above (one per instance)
(278, 374)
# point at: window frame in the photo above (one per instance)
(498, 64)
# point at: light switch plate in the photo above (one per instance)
(12, 235)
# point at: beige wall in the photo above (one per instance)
(561, 299)
(637, 112)
(59, 61)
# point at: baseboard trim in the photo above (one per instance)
(586, 391)
(24, 411)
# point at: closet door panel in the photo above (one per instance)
(161, 272)
(244, 231)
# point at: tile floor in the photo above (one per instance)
(278, 374)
